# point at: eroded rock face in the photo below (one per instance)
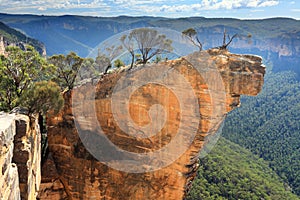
(2, 46)
(20, 157)
(9, 179)
(27, 156)
(76, 174)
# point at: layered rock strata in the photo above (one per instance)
(9, 179)
(20, 157)
(72, 172)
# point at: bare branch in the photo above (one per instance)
(230, 39)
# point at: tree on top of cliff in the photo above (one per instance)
(18, 70)
(41, 97)
(103, 63)
(227, 39)
(88, 69)
(147, 42)
(67, 69)
(104, 59)
(191, 34)
(23, 82)
(129, 45)
(118, 63)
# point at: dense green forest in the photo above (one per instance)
(232, 172)
(269, 126)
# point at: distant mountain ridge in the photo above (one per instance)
(276, 39)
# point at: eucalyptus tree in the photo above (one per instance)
(147, 42)
(67, 69)
(19, 69)
(192, 35)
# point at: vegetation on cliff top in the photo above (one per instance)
(21, 73)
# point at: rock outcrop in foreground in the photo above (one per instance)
(72, 172)
(20, 157)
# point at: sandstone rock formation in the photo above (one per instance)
(72, 172)
(20, 157)
(9, 178)
(4, 42)
(2, 46)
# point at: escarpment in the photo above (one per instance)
(213, 79)
(20, 157)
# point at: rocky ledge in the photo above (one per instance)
(20, 157)
(216, 78)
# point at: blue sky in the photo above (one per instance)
(244, 9)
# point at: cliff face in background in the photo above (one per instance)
(10, 36)
(71, 171)
(20, 157)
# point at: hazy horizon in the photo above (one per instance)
(140, 16)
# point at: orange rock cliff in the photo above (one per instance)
(216, 78)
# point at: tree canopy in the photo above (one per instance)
(24, 81)
(129, 45)
(104, 59)
(232, 172)
(191, 34)
(147, 42)
(67, 68)
(18, 70)
(41, 97)
(268, 125)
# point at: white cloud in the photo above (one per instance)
(254, 11)
(226, 4)
(180, 8)
(130, 7)
(42, 8)
(253, 4)
(213, 5)
(268, 3)
(56, 4)
(136, 2)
